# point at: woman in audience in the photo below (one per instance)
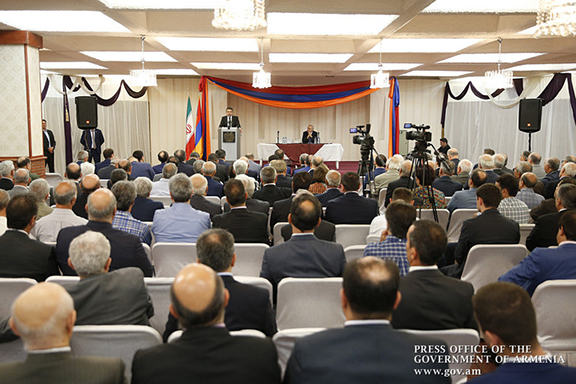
(319, 180)
(424, 178)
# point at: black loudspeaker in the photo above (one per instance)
(530, 115)
(86, 112)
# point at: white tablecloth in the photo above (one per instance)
(329, 152)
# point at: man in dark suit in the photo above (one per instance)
(127, 249)
(92, 140)
(7, 175)
(333, 179)
(489, 227)
(198, 201)
(303, 255)
(215, 188)
(140, 168)
(431, 300)
(309, 135)
(568, 170)
(251, 204)
(282, 181)
(49, 145)
(122, 292)
(281, 208)
(206, 352)
(546, 226)
(230, 120)
(108, 156)
(222, 170)
(144, 208)
(246, 226)
(486, 163)
(249, 306)
(163, 158)
(552, 169)
(180, 154)
(89, 184)
(351, 208)
(44, 318)
(20, 256)
(106, 172)
(405, 181)
(367, 349)
(269, 191)
(325, 231)
(445, 183)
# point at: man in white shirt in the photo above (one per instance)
(160, 187)
(4, 199)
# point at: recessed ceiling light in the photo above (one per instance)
(543, 67)
(70, 65)
(228, 66)
(209, 44)
(422, 45)
(490, 57)
(61, 21)
(436, 73)
(309, 57)
(385, 66)
(484, 6)
(176, 72)
(326, 24)
(155, 4)
(133, 56)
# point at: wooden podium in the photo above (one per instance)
(229, 140)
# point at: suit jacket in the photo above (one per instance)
(20, 256)
(367, 354)
(551, 176)
(126, 249)
(545, 207)
(208, 355)
(142, 169)
(46, 143)
(306, 140)
(102, 164)
(302, 256)
(272, 193)
(253, 205)
(235, 122)
(200, 203)
(249, 307)
(447, 185)
(246, 226)
(461, 178)
(544, 232)
(330, 194)
(86, 140)
(551, 188)
(222, 172)
(325, 231)
(215, 188)
(187, 169)
(105, 172)
(403, 181)
(79, 207)
(351, 208)
(284, 182)
(17, 191)
(143, 209)
(114, 298)
(488, 228)
(63, 368)
(280, 211)
(6, 184)
(433, 301)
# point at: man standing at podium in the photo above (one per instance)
(229, 120)
(310, 135)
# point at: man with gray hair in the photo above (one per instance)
(463, 172)
(405, 180)
(127, 250)
(252, 204)
(521, 169)
(453, 156)
(499, 161)
(43, 316)
(122, 292)
(445, 183)
(551, 167)
(270, 192)
(160, 187)
(392, 173)
(144, 208)
(4, 199)
(215, 188)
(198, 201)
(535, 159)
(180, 223)
(24, 162)
(281, 179)
(527, 194)
(333, 179)
(7, 175)
(240, 167)
(125, 193)
(21, 181)
(47, 229)
(486, 163)
(82, 157)
(40, 191)
(198, 164)
(567, 170)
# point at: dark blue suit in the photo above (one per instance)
(447, 185)
(142, 169)
(144, 209)
(214, 187)
(331, 193)
(102, 164)
(351, 208)
(86, 141)
(158, 168)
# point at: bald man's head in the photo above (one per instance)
(90, 183)
(101, 205)
(528, 180)
(65, 194)
(43, 316)
(198, 297)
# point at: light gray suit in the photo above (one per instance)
(382, 181)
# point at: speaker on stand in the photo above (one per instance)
(530, 117)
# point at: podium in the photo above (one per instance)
(229, 140)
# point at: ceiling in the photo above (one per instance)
(411, 23)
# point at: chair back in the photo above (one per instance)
(159, 291)
(428, 214)
(284, 342)
(311, 302)
(259, 282)
(351, 234)
(456, 220)
(63, 280)
(372, 239)
(354, 252)
(382, 199)
(54, 179)
(169, 258)
(104, 183)
(249, 258)
(12, 352)
(166, 200)
(525, 230)
(213, 199)
(10, 289)
(277, 232)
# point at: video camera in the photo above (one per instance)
(420, 134)
(364, 134)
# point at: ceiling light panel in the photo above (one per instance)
(543, 67)
(490, 57)
(176, 72)
(309, 57)
(319, 24)
(436, 73)
(133, 56)
(155, 4)
(61, 21)
(70, 65)
(209, 44)
(484, 6)
(422, 45)
(228, 66)
(385, 66)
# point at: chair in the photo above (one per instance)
(169, 258)
(487, 262)
(456, 220)
(166, 200)
(525, 230)
(428, 214)
(63, 280)
(159, 291)
(555, 305)
(309, 303)
(351, 234)
(372, 239)
(382, 199)
(13, 351)
(10, 289)
(214, 199)
(104, 183)
(458, 337)
(222, 202)
(257, 282)
(54, 179)
(148, 251)
(354, 252)
(243, 332)
(113, 341)
(284, 342)
(249, 258)
(277, 232)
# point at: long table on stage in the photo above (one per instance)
(329, 152)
